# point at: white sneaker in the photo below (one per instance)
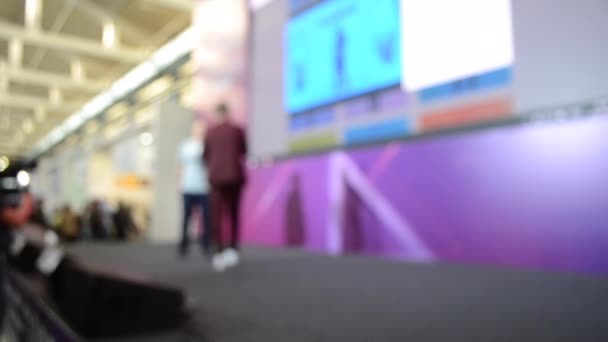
(231, 257)
(218, 263)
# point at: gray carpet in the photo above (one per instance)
(287, 295)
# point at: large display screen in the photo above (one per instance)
(340, 49)
(332, 73)
(444, 41)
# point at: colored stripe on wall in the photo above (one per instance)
(490, 80)
(389, 129)
(314, 142)
(496, 108)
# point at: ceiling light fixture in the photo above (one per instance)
(33, 10)
(108, 36)
(23, 178)
(164, 57)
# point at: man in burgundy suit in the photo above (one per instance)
(225, 151)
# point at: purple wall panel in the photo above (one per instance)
(531, 196)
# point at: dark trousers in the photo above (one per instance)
(191, 201)
(226, 198)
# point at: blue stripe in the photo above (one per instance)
(318, 118)
(490, 80)
(390, 129)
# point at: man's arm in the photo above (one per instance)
(18, 216)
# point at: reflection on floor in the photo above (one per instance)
(287, 295)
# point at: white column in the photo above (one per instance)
(171, 127)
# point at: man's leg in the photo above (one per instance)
(204, 205)
(217, 199)
(188, 204)
(235, 202)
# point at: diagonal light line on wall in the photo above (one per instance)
(337, 196)
(342, 166)
(389, 154)
(271, 193)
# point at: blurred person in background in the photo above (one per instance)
(68, 224)
(194, 185)
(107, 218)
(97, 221)
(12, 216)
(86, 232)
(225, 151)
(123, 222)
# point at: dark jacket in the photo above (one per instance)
(225, 150)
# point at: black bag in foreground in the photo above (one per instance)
(98, 302)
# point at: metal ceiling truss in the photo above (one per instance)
(25, 118)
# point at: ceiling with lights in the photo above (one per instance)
(62, 61)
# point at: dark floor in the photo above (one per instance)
(291, 296)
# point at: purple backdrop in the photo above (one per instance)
(531, 196)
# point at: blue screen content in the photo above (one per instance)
(340, 49)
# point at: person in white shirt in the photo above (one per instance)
(194, 188)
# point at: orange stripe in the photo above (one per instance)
(488, 110)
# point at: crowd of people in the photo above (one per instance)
(98, 221)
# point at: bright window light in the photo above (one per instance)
(445, 40)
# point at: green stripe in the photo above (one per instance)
(314, 142)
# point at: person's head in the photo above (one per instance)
(198, 130)
(222, 111)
